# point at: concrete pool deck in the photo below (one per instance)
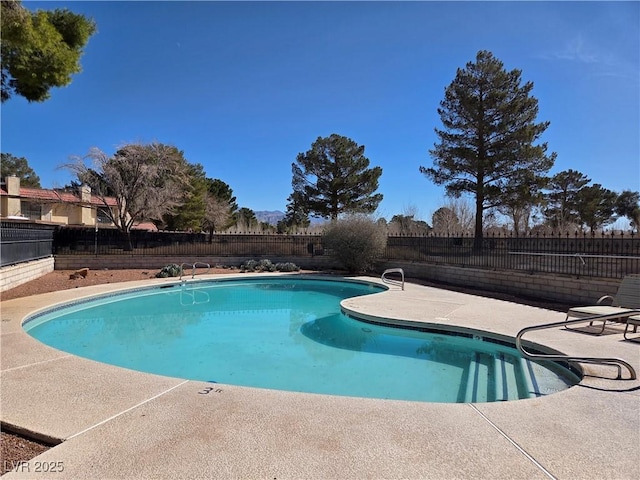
(118, 423)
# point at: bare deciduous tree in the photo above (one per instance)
(455, 217)
(146, 181)
(217, 214)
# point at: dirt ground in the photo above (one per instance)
(15, 449)
(60, 280)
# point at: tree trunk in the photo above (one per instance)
(127, 244)
(477, 234)
(477, 239)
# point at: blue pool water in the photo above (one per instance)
(289, 334)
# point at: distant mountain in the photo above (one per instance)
(270, 217)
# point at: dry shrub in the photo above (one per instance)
(356, 242)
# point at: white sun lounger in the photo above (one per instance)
(620, 307)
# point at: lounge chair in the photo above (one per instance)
(633, 322)
(619, 308)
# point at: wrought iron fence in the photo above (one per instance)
(22, 242)
(70, 240)
(580, 254)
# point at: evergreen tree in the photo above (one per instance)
(595, 206)
(488, 136)
(19, 166)
(246, 220)
(333, 178)
(628, 205)
(522, 194)
(191, 211)
(562, 198)
(223, 192)
(295, 217)
(408, 225)
(206, 204)
(40, 50)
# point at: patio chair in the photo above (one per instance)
(633, 322)
(620, 307)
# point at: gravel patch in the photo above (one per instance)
(62, 280)
(15, 449)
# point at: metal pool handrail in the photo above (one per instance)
(390, 281)
(617, 362)
(194, 266)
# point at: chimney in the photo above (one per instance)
(12, 185)
(85, 194)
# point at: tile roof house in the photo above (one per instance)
(65, 208)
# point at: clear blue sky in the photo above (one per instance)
(243, 87)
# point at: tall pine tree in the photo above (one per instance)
(596, 206)
(334, 177)
(488, 136)
(40, 50)
(561, 211)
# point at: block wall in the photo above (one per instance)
(556, 288)
(562, 289)
(116, 262)
(13, 275)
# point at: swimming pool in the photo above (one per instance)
(289, 333)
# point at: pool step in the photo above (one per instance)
(499, 377)
(478, 378)
(531, 382)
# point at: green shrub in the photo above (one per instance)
(287, 267)
(249, 266)
(171, 270)
(263, 265)
(355, 242)
(266, 265)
